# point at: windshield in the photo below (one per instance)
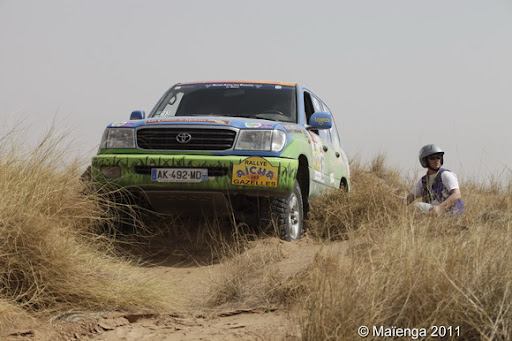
(265, 101)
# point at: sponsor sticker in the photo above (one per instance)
(255, 171)
(322, 120)
(187, 120)
(258, 125)
(253, 125)
(122, 124)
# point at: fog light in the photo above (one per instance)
(111, 172)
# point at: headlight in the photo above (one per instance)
(118, 138)
(263, 140)
(278, 140)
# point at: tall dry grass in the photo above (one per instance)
(50, 259)
(379, 264)
(409, 270)
(375, 201)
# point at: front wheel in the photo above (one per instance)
(288, 214)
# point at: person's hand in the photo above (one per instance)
(436, 210)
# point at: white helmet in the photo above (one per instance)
(428, 150)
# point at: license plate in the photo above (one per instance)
(179, 174)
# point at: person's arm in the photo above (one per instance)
(414, 194)
(449, 202)
(451, 183)
(410, 198)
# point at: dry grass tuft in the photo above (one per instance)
(51, 260)
(261, 276)
(11, 314)
(242, 277)
(373, 203)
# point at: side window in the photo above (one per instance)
(309, 109)
(334, 134)
(312, 104)
(317, 105)
(325, 134)
(325, 108)
(334, 130)
(308, 106)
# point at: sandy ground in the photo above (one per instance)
(191, 275)
(249, 324)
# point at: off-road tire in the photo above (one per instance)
(288, 214)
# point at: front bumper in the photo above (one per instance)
(268, 176)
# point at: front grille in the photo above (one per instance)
(212, 171)
(201, 139)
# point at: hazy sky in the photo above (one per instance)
(397, 74)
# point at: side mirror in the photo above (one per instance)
(137, 115)
(320, 120)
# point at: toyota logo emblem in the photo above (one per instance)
(183, 137)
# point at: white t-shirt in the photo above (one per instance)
(450, 182)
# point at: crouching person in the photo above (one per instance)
(439, 188)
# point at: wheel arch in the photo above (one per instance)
(344, 184)
(303, 179)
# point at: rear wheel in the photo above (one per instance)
(288, 214)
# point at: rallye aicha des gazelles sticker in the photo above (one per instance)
(255, 171)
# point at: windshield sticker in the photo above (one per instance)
(255, 171)
(187, 120)
(232, 85)
(241, 86)
(258, 125)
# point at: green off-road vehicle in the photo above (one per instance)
(264, 148)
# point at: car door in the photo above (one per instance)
(328, 148)
(337, 162)
(322, 148)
